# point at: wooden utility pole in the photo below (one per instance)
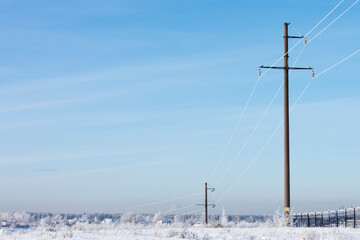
(206, 202)
(286, 125)
(286, 120)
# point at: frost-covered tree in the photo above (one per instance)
(224, 219)
(157, 217)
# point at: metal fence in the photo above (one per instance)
(349, 217)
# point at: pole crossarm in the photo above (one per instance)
(213, 205)
(290, 68)
(294, 37)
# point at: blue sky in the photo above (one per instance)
(106, 105)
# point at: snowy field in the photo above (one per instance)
(139, 232)
(145, 227)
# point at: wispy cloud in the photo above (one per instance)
(20, 159)
(157, 163)
(139, 164)
(33, 105)
(49, 173)
(10, 70)
(46, 170)
(44, 104)
(348, 101)
(126, 74)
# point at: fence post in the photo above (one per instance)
(337, 219)
(315, 219)
(293, 217)
(329, 220)
(297, 220)
(308, 219)
(354, 217)
(301, 220)
(345, 218)
(298, 223)
(322, 219)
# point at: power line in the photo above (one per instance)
(249, 137)
(309, 33)
(258, 123)
(187, 213)
(242, 114)
(236, 127)
(256, 83)
(334, 21)
(182, 208)
(307, 86)
(278, 127)
(168, 200)
(324, 18)
(272, 66)
(251, 163)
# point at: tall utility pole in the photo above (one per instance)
(286, 119)
(206, 202)
(286, 124)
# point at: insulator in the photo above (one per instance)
(313, 73)
(305, 42)
(259, 72)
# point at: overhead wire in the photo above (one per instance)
(333, 21)
(191, 212)
(244, 110)
(242, 113)
(168, 200)
(324, 17)
(178, 209)
(280, 124)
(321, 73)
(235, 128)
(296, 31)
(297, 59)
(255, 86)
(258, 123)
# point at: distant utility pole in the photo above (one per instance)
(286, 119)
(206, 202)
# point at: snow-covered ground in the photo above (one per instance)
(145, 227)
(139, 232)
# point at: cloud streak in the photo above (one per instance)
(130, 73)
